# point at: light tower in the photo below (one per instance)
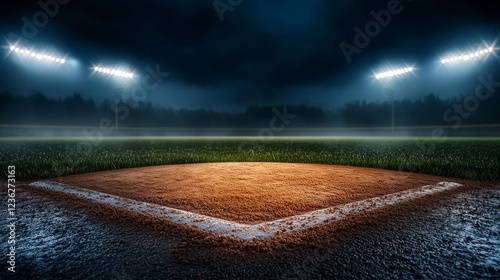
(390, 92)
(118, 74)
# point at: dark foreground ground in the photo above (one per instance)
(454, 235)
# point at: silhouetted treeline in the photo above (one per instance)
(76, 110)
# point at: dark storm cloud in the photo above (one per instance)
(262, 48)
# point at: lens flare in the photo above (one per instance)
(395, 72)
(114, 72)
(37, 55)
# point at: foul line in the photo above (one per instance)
(244, 231)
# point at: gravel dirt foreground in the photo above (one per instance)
(453, 234)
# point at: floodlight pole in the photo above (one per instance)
(390, 92)
(118, 92)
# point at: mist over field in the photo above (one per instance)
(72, 115)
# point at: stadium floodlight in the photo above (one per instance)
(467, 56)
(42, 56)
(392, 73)
(114, 72)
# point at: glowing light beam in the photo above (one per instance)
(395, 72)
(467, 57)
(36, 55)
(114, 72)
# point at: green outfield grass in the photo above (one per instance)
(37, 158)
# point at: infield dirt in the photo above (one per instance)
(249, 192)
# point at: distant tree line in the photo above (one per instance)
(76, 110)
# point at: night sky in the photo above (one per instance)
(263, 52)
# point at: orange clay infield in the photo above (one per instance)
(249, 192)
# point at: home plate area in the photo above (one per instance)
(249, 201)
